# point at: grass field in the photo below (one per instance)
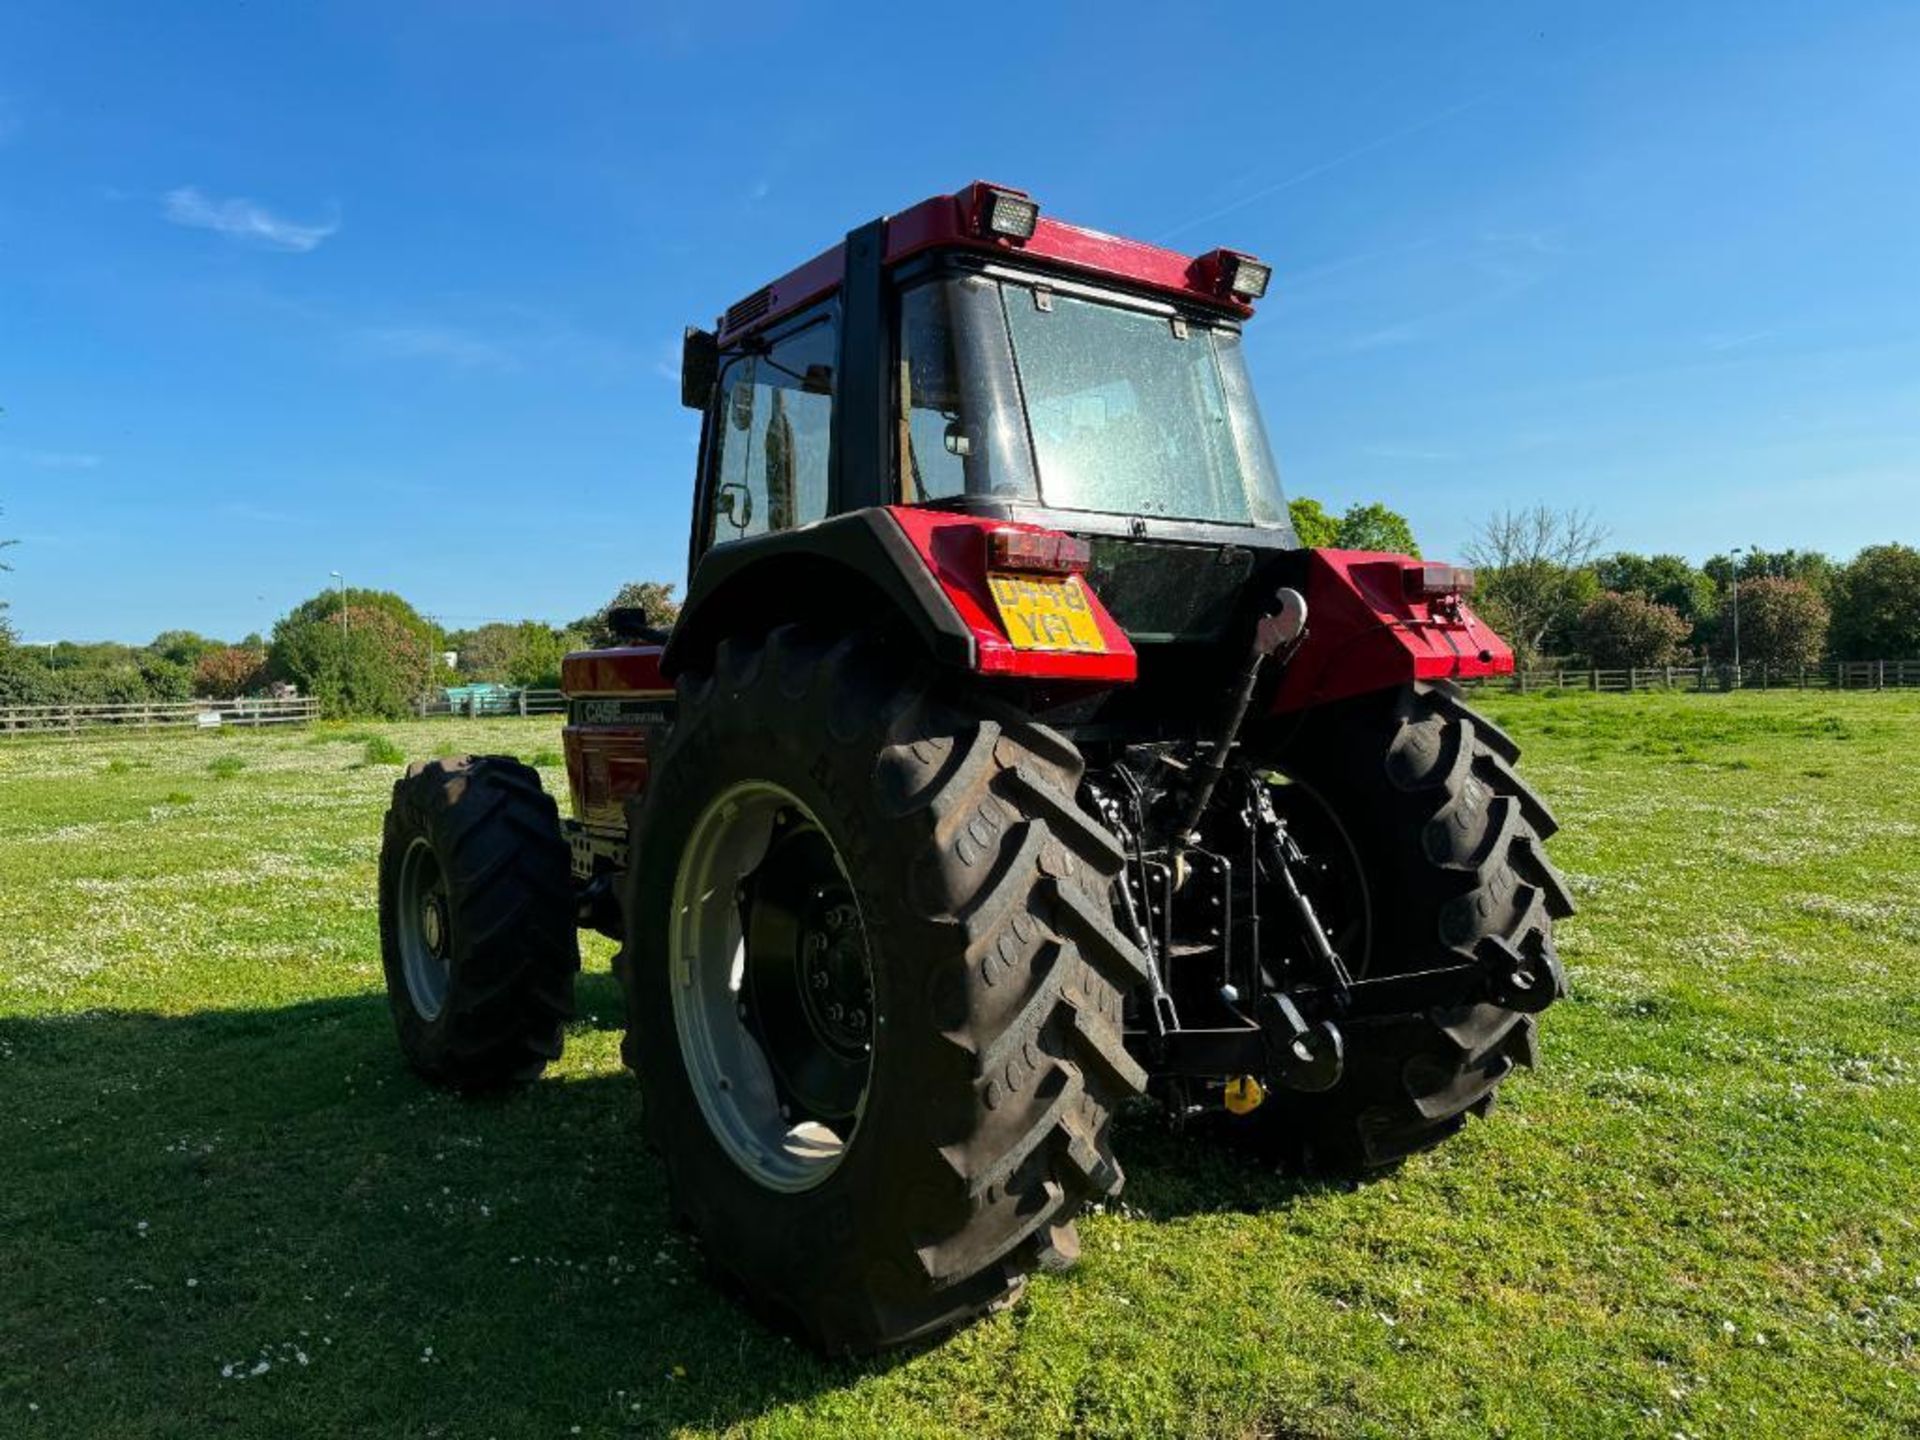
(226, 1208)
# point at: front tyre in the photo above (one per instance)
(477, 932)
(873, 988)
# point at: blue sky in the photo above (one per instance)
(396, 289)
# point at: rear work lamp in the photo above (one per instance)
(1007, 214)
(1229, 273)
(1247, 277)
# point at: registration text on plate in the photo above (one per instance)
(1047, 612)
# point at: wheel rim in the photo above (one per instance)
(1336, 881)
(426, 929)
(772, 984)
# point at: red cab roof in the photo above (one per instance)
(950, 222)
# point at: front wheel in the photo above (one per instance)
(477, 932)
(873, 988)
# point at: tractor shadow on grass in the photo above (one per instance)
(1197, 1169)
(491, 1265)
(496, 1265)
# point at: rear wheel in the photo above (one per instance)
(477, 929)
(1428, 850)
(873, 988)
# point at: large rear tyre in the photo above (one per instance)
(1417, 797)
(873, 988)
(477, 929)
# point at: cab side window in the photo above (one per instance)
(774, 425)
(934, 447)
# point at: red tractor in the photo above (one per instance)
(1009, 758)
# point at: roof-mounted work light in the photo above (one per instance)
(1005, 214)
(1229, 273)
(1247, 277)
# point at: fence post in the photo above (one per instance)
(523, 704)
(1883, 676)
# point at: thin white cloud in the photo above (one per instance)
(1388, 336)
(666, 360)
(240, 219)
(1546, 240)
(1314, 171)
(1738, 342)
(1419, 454)
(260, 515)
(54, 459)
(440, 342)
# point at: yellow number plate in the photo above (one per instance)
(1047, 612)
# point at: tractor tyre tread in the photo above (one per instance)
(986, 1127)
(1469, 882)
(508, 876)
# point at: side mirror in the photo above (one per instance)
(699, 366)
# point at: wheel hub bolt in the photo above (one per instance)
(433, 925)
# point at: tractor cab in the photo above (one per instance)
(975, 357)
(972, 355)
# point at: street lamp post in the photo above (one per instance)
(1738, 551)
(343, 602)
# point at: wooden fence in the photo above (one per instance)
(1846, 675)
(248, 714)
(141, 717)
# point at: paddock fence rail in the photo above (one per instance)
(143, 716)
(1841, 675)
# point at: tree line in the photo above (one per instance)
(359, 652)
(1545, 582)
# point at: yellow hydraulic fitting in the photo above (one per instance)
(1244, 1094)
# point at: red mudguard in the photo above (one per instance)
(955, 550)
(1366, 632)
(619, 708)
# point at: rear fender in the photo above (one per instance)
(619, 709)
(921, 572)
(1365, 633)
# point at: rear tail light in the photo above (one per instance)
(1039, 552)
(1430, 579)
